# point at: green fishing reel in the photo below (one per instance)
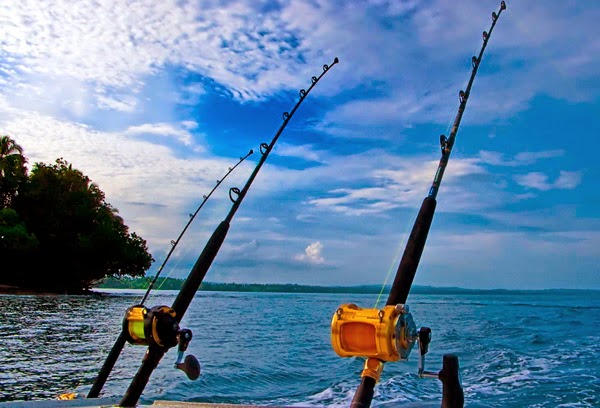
(158, 327)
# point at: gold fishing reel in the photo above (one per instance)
(157, 326)
(381, 335)
(387, 334)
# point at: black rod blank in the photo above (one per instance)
(418, 236)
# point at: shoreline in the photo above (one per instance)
(17, 290)
(417, 290)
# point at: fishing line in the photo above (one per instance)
(117, 347)
(157, 289)
(402, 241)
(192, 216)
(153, 295)
(392, 267)
(186, 250)
(393, 264)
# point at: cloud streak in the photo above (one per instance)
(180, 133)
(520, 159)
(567, 180)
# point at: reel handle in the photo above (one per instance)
(190, 365)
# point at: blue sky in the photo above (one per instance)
(154, 100)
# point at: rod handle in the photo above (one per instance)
(452, 392)
(364, 393)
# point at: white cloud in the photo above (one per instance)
(189, 124)
(567, 180)
(402, 182)
(536, 180)
(246, 248)
(552, 218)
(421, 74)
(115, 44)
(305, 152)
(164, 129)
(124, 103)
(312, 254)
(109, 48)
(520, 159)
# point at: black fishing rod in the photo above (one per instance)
(192, 216)
(392, 336)
(161, 324)
(114, 353)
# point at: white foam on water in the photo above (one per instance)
(329, 397)
(486, 388)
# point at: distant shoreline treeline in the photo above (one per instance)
(176, 284)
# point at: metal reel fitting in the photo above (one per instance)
(386, 334)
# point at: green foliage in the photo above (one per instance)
(176, 284)
(12, 170)
(72, 236)
(141, 283)
(16, 243)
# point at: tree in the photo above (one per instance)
(81, 237)
(12, 170)
(16, 244)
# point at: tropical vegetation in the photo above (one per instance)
(12, 169)
(57, 232)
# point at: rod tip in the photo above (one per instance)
(336, 60)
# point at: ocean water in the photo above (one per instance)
(533, 349)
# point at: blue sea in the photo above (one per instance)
(522, 349)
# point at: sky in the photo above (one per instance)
(155, 100)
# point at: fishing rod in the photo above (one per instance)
(389, 334)
(114, 353)
(192, 216)
(158, 328)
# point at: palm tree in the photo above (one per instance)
(12, 169)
